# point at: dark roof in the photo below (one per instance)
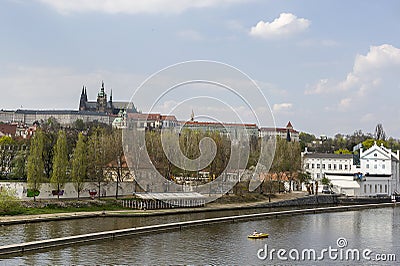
(328, 155)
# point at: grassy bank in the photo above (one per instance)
(62, 206)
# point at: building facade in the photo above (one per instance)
(287, 132)
(375, 173)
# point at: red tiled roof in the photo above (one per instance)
(168, 117)
(278, 129)
(201, 123)
(8, 129)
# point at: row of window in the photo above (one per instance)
(330, 166)
(377, 189)
(375, 166)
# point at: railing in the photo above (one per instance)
(162, 204)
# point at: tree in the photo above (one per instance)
(35, 166)
(343, 151)
(368, 143)
(116, 153)
(99, 157)
(79, 164)
(60, 163)
(18, 165)
(380, 133)
(287, 160)
(7, 153)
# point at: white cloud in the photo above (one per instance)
(368, 72)
(133, 6)
(373, 77)
(282, 107)
(286, 25)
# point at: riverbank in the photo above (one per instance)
(230, 202)
(294, 199)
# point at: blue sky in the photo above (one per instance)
(327, 66)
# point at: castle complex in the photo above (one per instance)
(103, 105)
(103, 110)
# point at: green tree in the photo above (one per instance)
(368, 143)
(60, 163)
(325, 181)
(79, 164)
(18, 165)
(343, 151)
(35, 166)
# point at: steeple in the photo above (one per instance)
(111, 96)
(83, 99)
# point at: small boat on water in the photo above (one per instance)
(258, 235)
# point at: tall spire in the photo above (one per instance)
(111, 96)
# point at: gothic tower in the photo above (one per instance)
(83, 100)
(102, 99)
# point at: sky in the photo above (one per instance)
(327, 66)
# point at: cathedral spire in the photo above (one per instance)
(111, 96)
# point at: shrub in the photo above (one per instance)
(9, 203)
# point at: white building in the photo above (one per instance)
(377, 174)
(379, 171)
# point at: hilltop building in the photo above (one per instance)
(103, 110)
(104, 105)
(288, 132)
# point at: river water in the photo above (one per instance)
(372, 234)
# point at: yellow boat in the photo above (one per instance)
(258, 235)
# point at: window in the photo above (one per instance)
(323, 166)
(385, 188)
(345, 167)
(365, 188)
(376, 188)
(376, 166)
(375, 155)
(334, 167)
(367, 166)
(307, 166)
(312, 166)
(380, 188)
(340, 167)
(329, 166)
(383, 166)
(318, 166)
(317, 175)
